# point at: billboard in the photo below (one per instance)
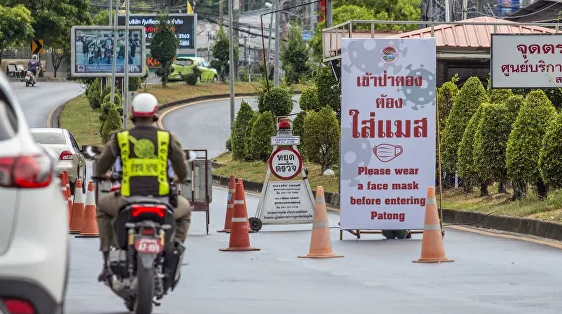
(92, 49)
(526, 60)
(388, 132)
(184, 25)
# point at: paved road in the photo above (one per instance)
(38, 101)
(206, 125)
(491, 275)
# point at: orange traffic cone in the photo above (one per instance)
(77, 209)
(239, 238)
(89, 227)
(245, 207)
(229, 205)
(433, 250)
(68, 196)
(320, 242)
(64, 194)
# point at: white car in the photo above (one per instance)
(34, 247)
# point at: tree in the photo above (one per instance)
(465, 154)
(248, 137)
(262, 131)
(238, 140)
(526, 138)
(446, 95)
(471, 95)
(550, 163)
(15, 26)
(329, 92)
(309, 98)
(112, 124)
(278, 101)
(490, 144)
(321, 137)
(294, 56)
(221, 56)
(298, 130)
(163, 47)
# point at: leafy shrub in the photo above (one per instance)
(244, 75)
(228, 145)
(446, 96)
(309, 98)
(514, 103)
(104, 112)
(550, 162)
(321, 137)
(262, 131)
(329, 92)
(465, 156)
(491, 142)
(135, 82)
(192, 77)
(298, 130)
(117, 99)
(526, 138)
(471, 95)
(248, 137)
(277, 101)
(499, 96)
(94, 94)
(112, 124)
(238, 140)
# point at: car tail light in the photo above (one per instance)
(66, 155)
(159, 210)
(17, 306)
(30, 172)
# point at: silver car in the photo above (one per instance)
(62, 145)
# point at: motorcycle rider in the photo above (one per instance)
(33, 65)
(141, 146)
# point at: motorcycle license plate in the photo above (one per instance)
(151, 246)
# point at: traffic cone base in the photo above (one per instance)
(239, 249)
(320, 241)
(89, 227)
(433, 250)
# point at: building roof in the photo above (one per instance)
(475, 37)
(538, 11)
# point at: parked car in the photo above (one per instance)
(34, 247)
(63, 146)
(185, 65)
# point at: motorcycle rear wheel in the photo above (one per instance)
(145, 289)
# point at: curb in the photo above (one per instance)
(527, 226)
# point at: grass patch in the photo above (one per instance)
(501, 204)
(82, 121)
(255, 171)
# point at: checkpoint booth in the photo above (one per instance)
(199, 190)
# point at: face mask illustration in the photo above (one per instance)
(387, 152)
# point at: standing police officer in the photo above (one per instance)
(144, 151)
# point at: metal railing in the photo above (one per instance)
(331, 36)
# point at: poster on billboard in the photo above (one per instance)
(388, 132)
(92, 51)
(526, 60)
(184, 26)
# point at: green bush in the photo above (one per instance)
(135, 83)
(309, 98)
(262, 131)
(94, 94)
(243, 75)
(465, 153)
(248, 137)
(471, 95)
(117, 100)
(490, 143)
(526, 138)
(514, 103)
(446, 95)
(329, 92)
(278, 101)
(192, 77)
(298, 130)
(228, 145)
(238, 140)
(499, 96)
(321, 137)
(550, 161)
(112, 124)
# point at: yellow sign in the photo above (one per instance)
(37, 46)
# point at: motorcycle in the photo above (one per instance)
(29, 79)
(145, 262)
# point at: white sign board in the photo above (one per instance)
(388, 132)
(288, 141)
(526, 60)
(287, 202)
(285, 163)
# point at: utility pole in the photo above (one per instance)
(312, 19)
(276, 69)
(126, 63)
(464, 9)
(447, 11)
(329, 13)
(231, 63)
(110, 9)
(220, 11)
(267, 66)
(115, 41)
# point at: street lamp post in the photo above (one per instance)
(126, 63)
(276, 66)
(231, 62)
(115, 41)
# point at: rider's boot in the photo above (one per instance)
(105, 269)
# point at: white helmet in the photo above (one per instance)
(34, 57)
(144, 105)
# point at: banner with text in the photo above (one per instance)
(388, 132)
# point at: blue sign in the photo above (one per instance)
(507, 7)
(306, 36)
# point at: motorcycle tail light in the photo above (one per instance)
(17, 306)
(29, 172)
(148, 231)
(159, 210)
